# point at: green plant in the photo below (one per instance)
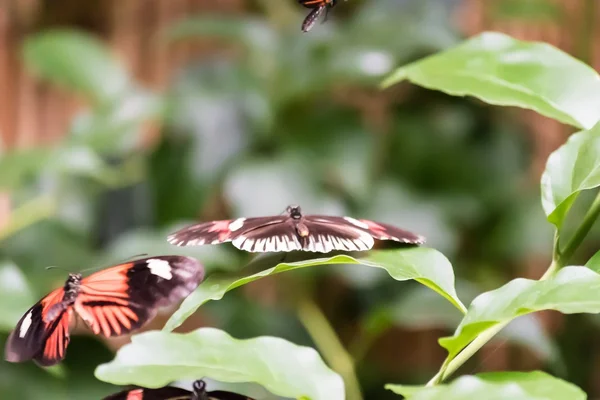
(504, 71)
(492, 67)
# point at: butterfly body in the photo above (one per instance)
(294, 231)
(112, 302)
(198, 392)
(318, 7)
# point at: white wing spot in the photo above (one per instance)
(237, 224)
(356, 222)
(160, 268)
(25, 325)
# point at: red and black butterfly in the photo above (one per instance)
(294, 231)
(172, 393)
(112, 302)
(318, 7)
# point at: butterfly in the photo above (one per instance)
(317, 6)
(172, 393)
(293, 231)
(112, 302)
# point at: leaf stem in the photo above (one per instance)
(329, 345)
(588, 221)
(28, 214)
(450, 367)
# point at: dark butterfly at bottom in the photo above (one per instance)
(198, 392)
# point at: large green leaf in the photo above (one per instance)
(572, 290)
(15, 295)
(496, 386)
(574, 167)
(425, 265)
(422, 309)
(154, 359)
(77, 61)
(501, 70)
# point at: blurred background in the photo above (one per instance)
(122, 120)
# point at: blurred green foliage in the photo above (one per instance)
(291, 118)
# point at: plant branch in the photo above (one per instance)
(329, 345)
(28, 214)
(560, 259)
(588, 221)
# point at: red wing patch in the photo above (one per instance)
(47, 321)
(103, 302)
(57, 340)
(120, 299)
(137, 394)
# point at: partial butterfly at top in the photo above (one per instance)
(294, 231)
(318, 7)
(172, 393)
(112, 302)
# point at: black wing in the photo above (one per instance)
(329, 233)
(311, 18)
(377, 230)
(122, 298)
(222, 395)
(278, 237)
(166, 393)
(223, 231)
(41, 336)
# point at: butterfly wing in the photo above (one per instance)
(329, 233)
(311, 18)
(42, 334)
(222, 231)
(222, 395)
(166, 393)
(122, 298)
(277, 237)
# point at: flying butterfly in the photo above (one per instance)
(172, 393)
(112, 302)
(294, 231)
(317, 8)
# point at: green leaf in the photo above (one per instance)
(77, 61)
(15, 295)
(572, 290)
(421, 309)
(504, 71)
(496, 386)
(154, 359)
(573, 167)
(594, 262)
(425, 265)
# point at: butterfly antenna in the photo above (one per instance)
(55, 267)
(118, 262)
